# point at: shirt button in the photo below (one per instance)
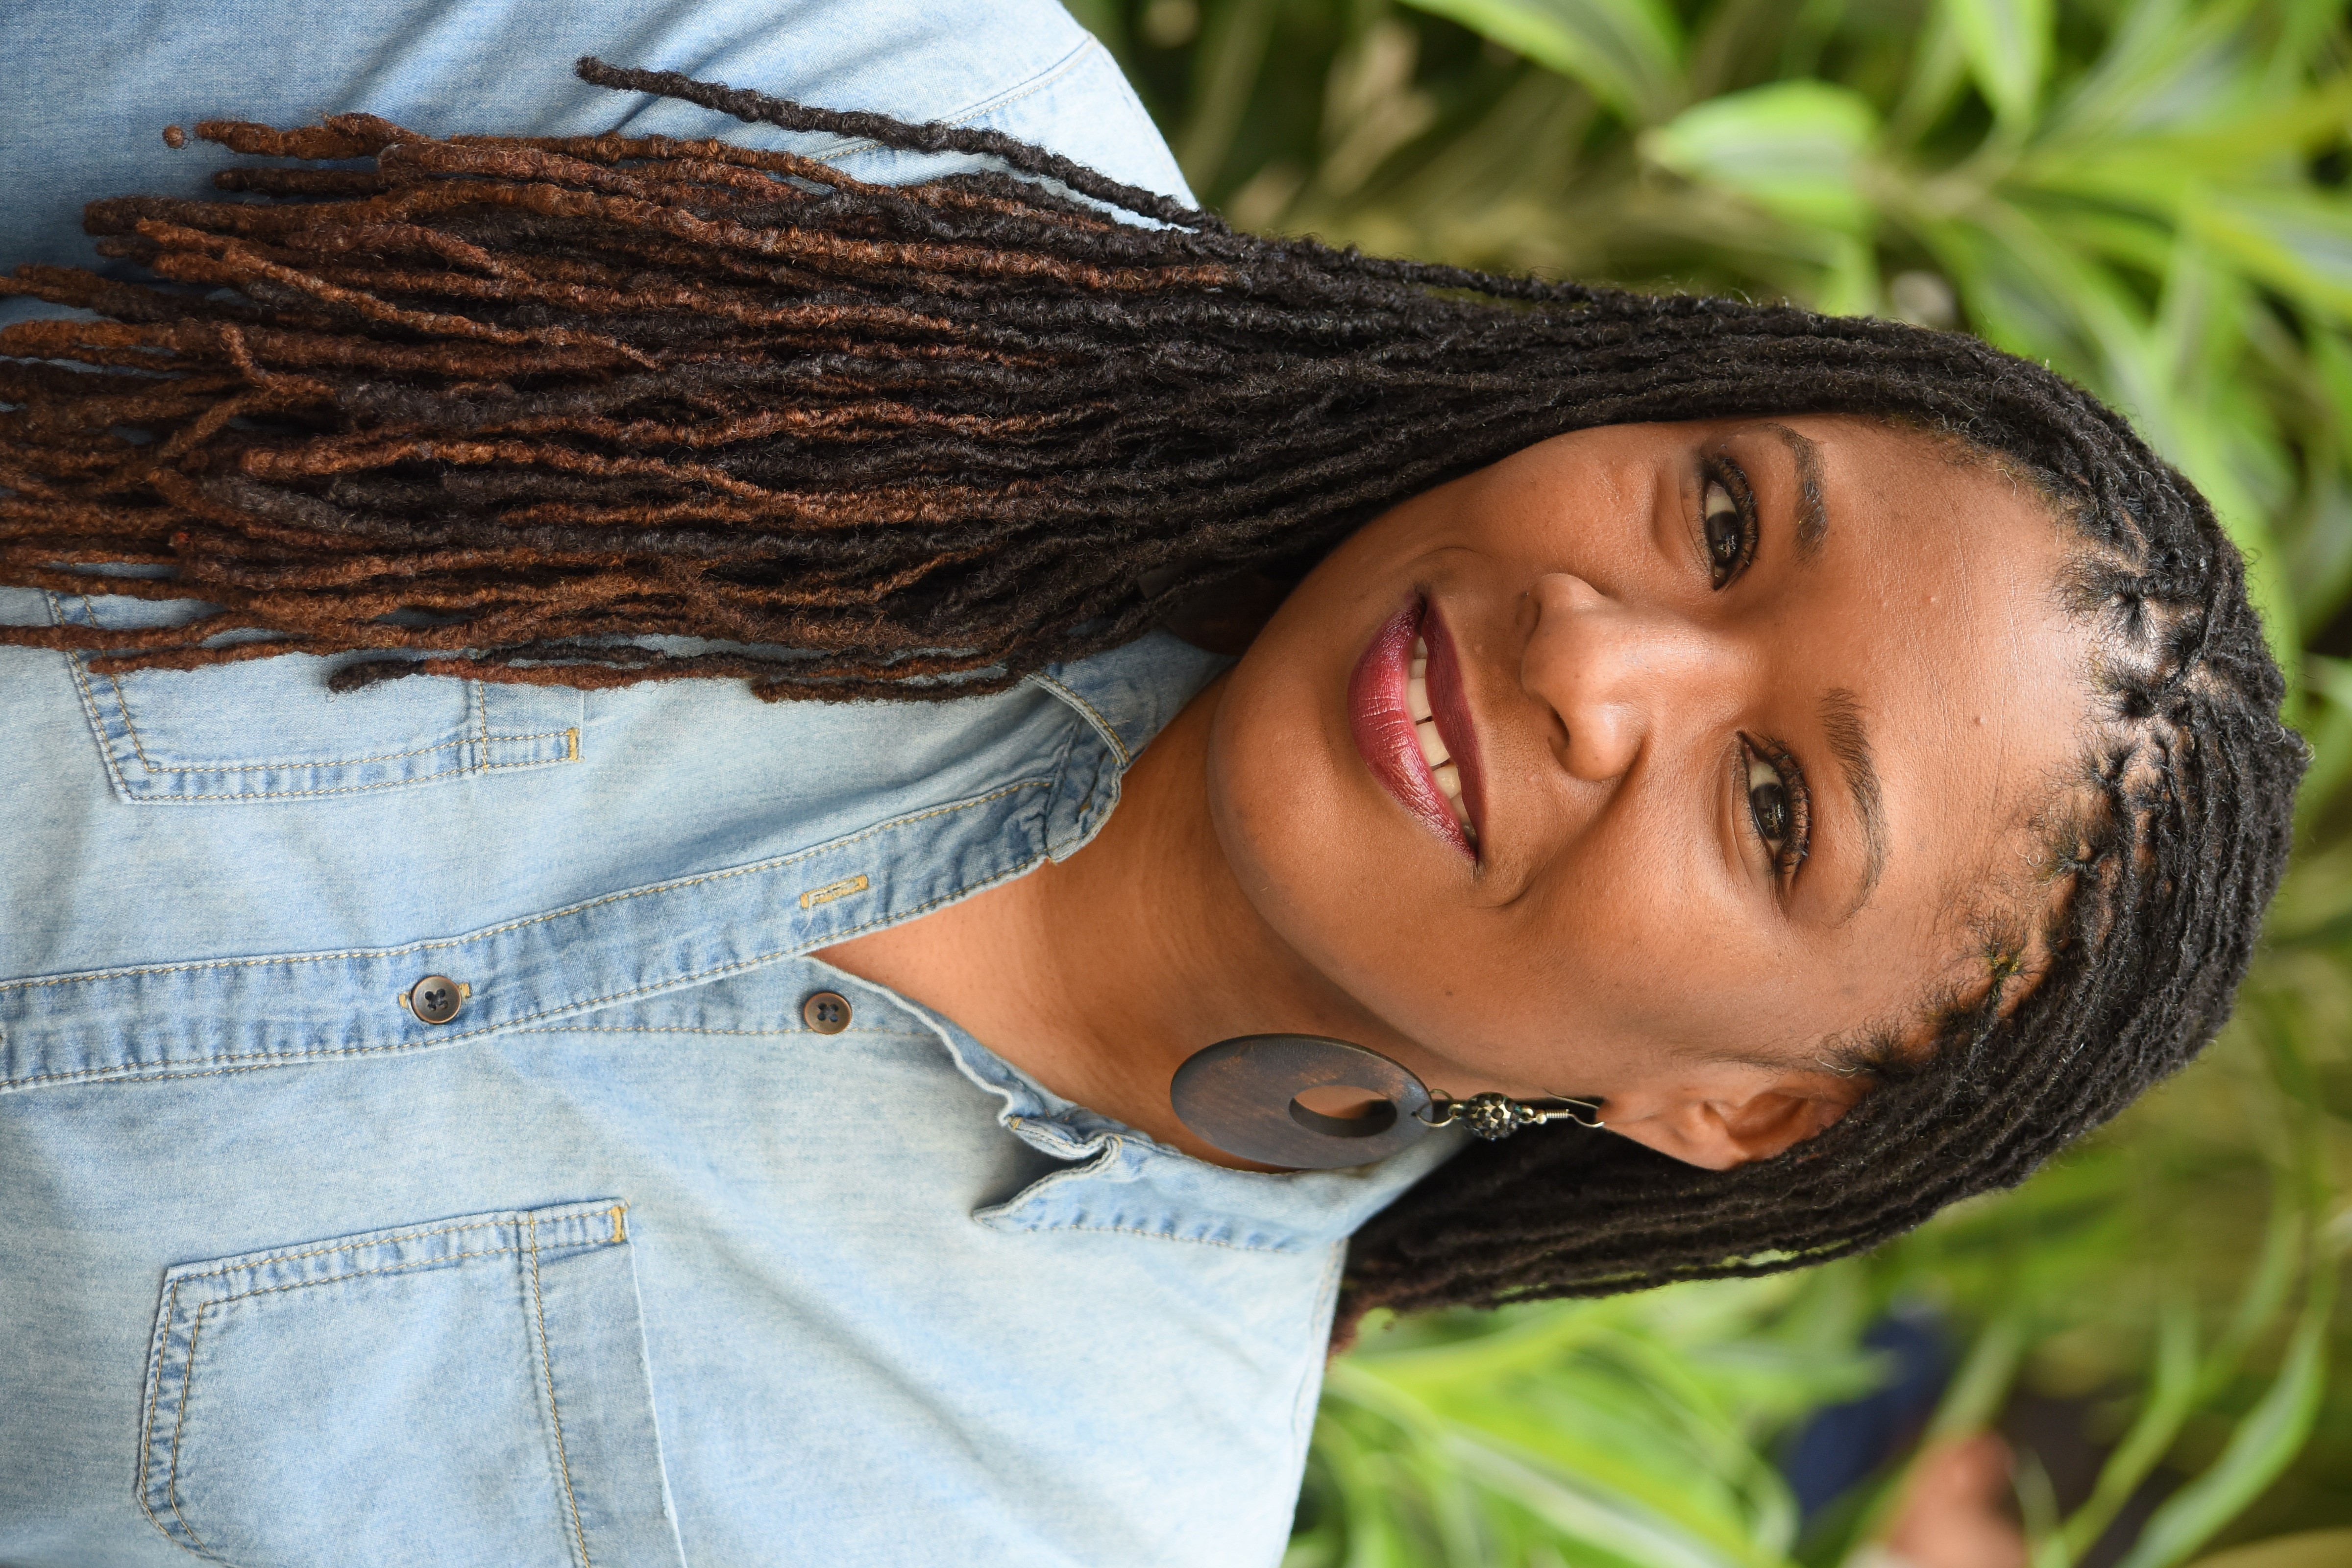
(435, 999)
(826, 1011)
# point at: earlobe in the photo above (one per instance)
(1717, 1134)
(1777, 1121)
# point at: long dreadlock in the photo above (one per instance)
(497, 407)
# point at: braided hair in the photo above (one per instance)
(502, 407)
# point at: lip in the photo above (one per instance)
(1449, 706)
(1384, 729)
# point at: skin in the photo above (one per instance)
(1623, 932)
(1954, 1511)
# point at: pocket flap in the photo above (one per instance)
(269, 729)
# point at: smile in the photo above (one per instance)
(1411, 725)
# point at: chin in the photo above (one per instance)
(1326, 859)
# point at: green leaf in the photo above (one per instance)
(2163, 68)
(1982, 1383)
(2269, 1437)
(1225, 70)
(2297, 242)
(1796, 148)
(2008, 44)
(2172, 1396)
(2304, 1549)
(1939, 68)
(2329, 732)
(1627, 52)
(1600, 1520)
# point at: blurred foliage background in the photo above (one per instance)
(2150, 195)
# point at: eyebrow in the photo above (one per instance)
(1812, 511)
(1849, 743)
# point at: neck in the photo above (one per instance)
(1099, 975)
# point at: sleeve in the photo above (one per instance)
(86, 90)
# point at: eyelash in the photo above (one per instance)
(1755, 755)
(1721, 472)
(1762, 765)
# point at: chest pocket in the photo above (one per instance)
(269, 729)
(466, 1394)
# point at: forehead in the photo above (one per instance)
(1935, 598)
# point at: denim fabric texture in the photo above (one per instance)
(624, 1264)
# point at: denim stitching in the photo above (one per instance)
(171, 1477)
(180, 1423)
(1160, 1236)
(1011, 95)
(1319, 1339)
(257, 796)
(367, 1273)
(389, 1268)
(353, 761)
(187, 1382)
(554, 1414)
(122, 700)
(155, 1393)
(172, 1311)
(1088, 825)
(253, 1262)
(97, 724)
(1093, 716)
(437, 943)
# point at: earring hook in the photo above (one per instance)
(1493, 1115)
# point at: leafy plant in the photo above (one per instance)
(2150, 195)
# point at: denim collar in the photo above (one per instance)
(1119, 1179)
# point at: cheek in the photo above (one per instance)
(1291, 824)
(1337, 874)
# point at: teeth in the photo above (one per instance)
(1449, 786)
(1432, 748)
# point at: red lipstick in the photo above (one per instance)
(1450, 710)
(1381, 720)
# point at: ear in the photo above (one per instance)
(1723, 1125)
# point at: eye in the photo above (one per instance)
(1777, 804)
(1727, 522)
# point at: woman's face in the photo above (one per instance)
(1654, 761)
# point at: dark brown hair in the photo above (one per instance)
(500, 407)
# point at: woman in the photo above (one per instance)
(474, 1098)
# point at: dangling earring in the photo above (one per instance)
(1242, 1095)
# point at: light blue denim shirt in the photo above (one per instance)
(625, 1264)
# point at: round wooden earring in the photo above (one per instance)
(1242, 1095)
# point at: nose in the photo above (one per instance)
(1619, 676)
